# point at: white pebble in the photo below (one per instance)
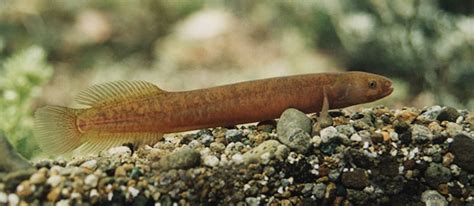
(211, 161)
(63, 203)
(328, 133)
(54, 180)
(13, 199)
(3, 197)
(237, 158)
(91, 164)
(356, 137)
(133, 191)
(91, 180)
(413, 153)
(119, 151)
(93, 193)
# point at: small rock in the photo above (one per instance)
(233, 135)
(267, 125)
(357, 197)
(345, 129)
(181, 159)
(448, 159)
(54, 180)
(136, 173)
(120, 172)
(272, 147)
(328, 134)
(318, 190)
(421, 134)
(356, 179)
(119, 151)
(207, 139)
(430, 114)
(54, 194)
(91, 164)
(407, 115)
(453, 129)
(294, 129)
(91, 180)
(210, 161)
(356, 137)
(3, 198)
(462, 147)
(217, 147)
(13, 199)
(448, 114)
(24, 189)
(436, 174)
(38, 178)
(433, 198)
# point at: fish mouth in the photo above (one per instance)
(389, 89)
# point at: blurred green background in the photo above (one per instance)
(50, 50)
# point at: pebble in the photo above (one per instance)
(356, 179)
(453, 129)
(448, 114)
(120, 172)
(54, 180)
(211, 161)
(421, 134)
(271, 147)
(328, 133)
(13, 199)
(38, 177)
(119, 151)
(233, 135)
(433, 198)
(90, 164)
(181, 159)
(294, 129)
(436, 174)
(462, 147)
(430, 114)
(3, 198)
(91, 180)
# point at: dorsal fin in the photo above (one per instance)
(114, 92)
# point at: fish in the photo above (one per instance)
(139, 112)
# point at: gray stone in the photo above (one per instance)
(420, 133)
(181, 159)
(294, 129)
(318, 190)
(430, 114)
(10, 159)
(436, 174)
(433, 198)
(268, 149)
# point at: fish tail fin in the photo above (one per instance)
(55, 129)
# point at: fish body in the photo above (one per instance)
(140, 112)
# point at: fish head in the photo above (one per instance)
(361, 87)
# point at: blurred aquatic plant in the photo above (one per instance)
(21, 77)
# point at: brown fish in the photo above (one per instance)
(139, 112)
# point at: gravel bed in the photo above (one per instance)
(375, 156)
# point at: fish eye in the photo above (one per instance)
(372, 84)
